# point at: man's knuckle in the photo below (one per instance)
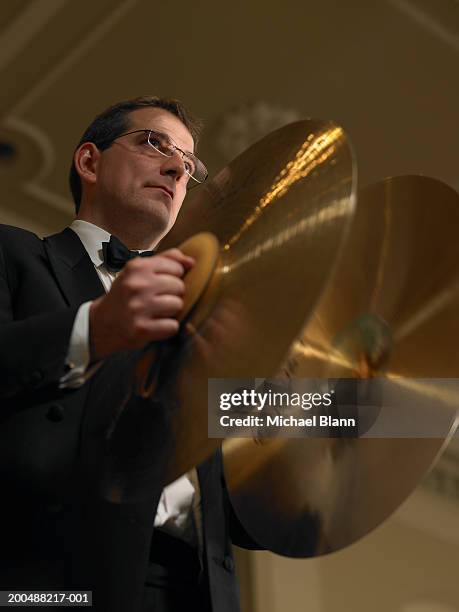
(136, 285)
(133, 307)
(174, 252)
(140, 329)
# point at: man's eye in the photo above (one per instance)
(189, 166)
(155, 142)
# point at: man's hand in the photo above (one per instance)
(141, 306)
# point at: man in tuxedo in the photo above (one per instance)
(69, 304)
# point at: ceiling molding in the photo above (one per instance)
(427, 21)
(39, 138)
(31, 185)
(46, 9)
(77, 52)
(26, 25)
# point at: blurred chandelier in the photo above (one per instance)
(243, 125)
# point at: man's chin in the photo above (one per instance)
(157, 212)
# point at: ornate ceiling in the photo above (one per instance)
(386, 70)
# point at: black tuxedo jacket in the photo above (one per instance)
(56, 530)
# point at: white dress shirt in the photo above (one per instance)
(179, 508)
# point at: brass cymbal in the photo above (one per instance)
(280, 212)
(390, 311)
(266, 232)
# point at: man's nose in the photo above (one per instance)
(173, 165)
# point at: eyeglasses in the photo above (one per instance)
(164, 145)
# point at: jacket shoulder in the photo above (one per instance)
(11, 236)
(19, 248)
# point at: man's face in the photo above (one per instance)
(138, 184)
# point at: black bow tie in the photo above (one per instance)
(116, 254)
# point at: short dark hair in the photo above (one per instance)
(113, 121)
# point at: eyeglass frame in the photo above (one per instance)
(184, 154)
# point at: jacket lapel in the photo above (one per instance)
(73, 268)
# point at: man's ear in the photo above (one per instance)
(86, 160)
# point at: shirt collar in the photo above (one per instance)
(92, 238)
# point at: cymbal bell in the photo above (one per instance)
(389, 312)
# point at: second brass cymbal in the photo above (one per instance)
(390, 311)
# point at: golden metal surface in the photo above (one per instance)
(390, 310)
(204, 248)
(280, 212)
